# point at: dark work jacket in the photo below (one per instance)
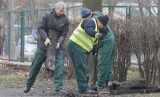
(51, 21)
(89, 25)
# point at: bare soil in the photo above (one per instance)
(12, 83)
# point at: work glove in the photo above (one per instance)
(58, 45)
(60, 41)
(98, 35)
(47, 41)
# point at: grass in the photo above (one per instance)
(15, 79)
(133, 72)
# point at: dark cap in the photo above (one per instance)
(85, 12)
(103, 19)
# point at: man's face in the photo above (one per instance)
(100, 25)
(59, 11)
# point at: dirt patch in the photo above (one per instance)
(12, 83)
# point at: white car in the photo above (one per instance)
(30, 46)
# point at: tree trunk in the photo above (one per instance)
(111, 9)
(94, 5)
(159, 48)
(159, 10)
(140, 8)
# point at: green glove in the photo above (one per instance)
(58, 45)
(47, 41)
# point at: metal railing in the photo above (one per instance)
(26, 20)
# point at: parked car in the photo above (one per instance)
(30, 46)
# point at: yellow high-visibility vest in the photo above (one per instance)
(80, 37)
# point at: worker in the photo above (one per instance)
(105, 52)
(80, 44)
(53, 22)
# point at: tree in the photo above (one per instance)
(159, 9)
(94, 5)
(159, 44)
(111, 9)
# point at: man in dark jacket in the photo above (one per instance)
(55, 23)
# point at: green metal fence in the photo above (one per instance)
(128, 12)
(26, 21)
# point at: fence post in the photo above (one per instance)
(150, 13)
(22, 34)
(128, 12)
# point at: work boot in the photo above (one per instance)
(27, 89)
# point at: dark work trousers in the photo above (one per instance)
(39, 59)
(79, 59)
(59, 68)
(105, 59)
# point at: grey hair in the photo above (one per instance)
(60, 4)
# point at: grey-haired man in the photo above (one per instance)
(53, 22)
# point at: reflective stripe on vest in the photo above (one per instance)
(80, 37)
(83, 42)
(85, 34)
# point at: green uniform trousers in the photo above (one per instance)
(79, 59)
(58, 72)
(105, 59)
(39, 59)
